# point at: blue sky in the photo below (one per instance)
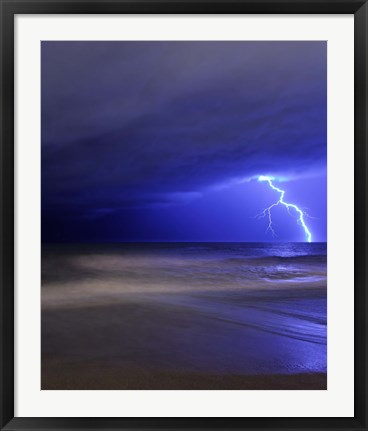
(164, 141)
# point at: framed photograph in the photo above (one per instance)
(183, 215)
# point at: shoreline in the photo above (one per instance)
(214, 317)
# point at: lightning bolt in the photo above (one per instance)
(267, 211)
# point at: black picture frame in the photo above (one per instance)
(9, 8)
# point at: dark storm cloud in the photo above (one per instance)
(149, 123)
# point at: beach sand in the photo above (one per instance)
(113, 321)
(89, 376)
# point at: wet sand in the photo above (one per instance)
(88, 376)
(117, 321)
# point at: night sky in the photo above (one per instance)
(163, 141)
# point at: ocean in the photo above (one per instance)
(188, 309)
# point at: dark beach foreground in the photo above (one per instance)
(102, 377)
(184, 316)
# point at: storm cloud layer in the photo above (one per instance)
(129, 125)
